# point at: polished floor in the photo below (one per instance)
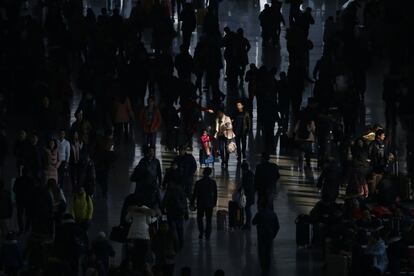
(236, 251)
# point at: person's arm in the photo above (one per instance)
(90, 207)
(215, 193)
(159, 172)
(67, 151)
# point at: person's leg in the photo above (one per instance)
(179, 226)
(244, 145)
(153, 139)
(265, 249)
(209, 215)
(20, 211)
(126, 131)
(238, 144)
(200, 224)
(248, 212)
(308, 151)
(222, 149)
(61, 174)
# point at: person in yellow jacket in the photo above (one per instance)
(82, 208)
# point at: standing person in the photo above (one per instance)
(103, 159)
(305, 135)
(249, 191)
(243, 59)
(380, 156)
(277, 19)
(188, 166)
(265, 180)
(123, 114)
(88, 177)
(189, 23)
(224, 133)
(20, 151)
(184, 63)
(242, 124)
(64, 150)
(140, 218)
(148, 178)
(58, 201)
(251, 79)
(329, 181)
(205, 194)
(265, 18)
(52, 162)
(6, 209)
(283, 100)
(23, 189)
(175, 205)
(33, 156)
(150, 118)
(82, 208)
(164, 247)
(76, 161)
(267, 224)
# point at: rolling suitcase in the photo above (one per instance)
(221, 220)
(303, 231)
(236, 215)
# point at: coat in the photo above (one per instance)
(82, 207)
(267, 224)
(224, 127)
(155, 123)
(123, 112)
(205, 193)
(266, 177)
(140, 218)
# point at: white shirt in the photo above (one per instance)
(63, 150)
(141, 219)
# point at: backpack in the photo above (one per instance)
(303, 130)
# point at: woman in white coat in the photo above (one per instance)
(224, 134)
(140, 218)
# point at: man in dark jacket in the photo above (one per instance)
(175, 206)
(188, 166)
(6, 209)
(267, 224)
(265, 180)
(249, 192)
(242, 124)
(188, 18)
(23, 190)
(205, 193)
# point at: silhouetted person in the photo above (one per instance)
(189, 24)
(205, 194)
(243, 50)
(283, 100)
(265, 180)
(242, 125)
(267, 224)
(184, 63)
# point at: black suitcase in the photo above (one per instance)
(303, 230)
(236, 215)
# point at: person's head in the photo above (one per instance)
(186, 271)
(22, 135)
(207, 172)
(266, 6)
(265, 156)
(219, 272)
(240, 106)
(183, 150)
(204, 132)
(245, 166)
(226, 30)
(174, 165)
(252, 66)
(34, 139)
(81, 191)
(282, 75)
(220, 113)
(150, 153)
(240, 31)
(45, 102)
(380, 135)
(51, 144)
(183, 48)
(51, 184)
(79, 115)
(62, 135)
(308, 10)
(151, 102)
(75, 136)
(104, 11)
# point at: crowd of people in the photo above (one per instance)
(63, 164)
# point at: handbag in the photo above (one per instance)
(240, 198)
(231, 146)
(119, 234)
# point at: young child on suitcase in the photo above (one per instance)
(206, 152)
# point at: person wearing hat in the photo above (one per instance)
(205, 194)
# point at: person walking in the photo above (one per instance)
(267, 224)
(150, 118)
(242, 124)
(265, 180)
(205, 194)
(188, 166)
(82, 209)
(224, 133)
(249, 191)
(52, 162)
